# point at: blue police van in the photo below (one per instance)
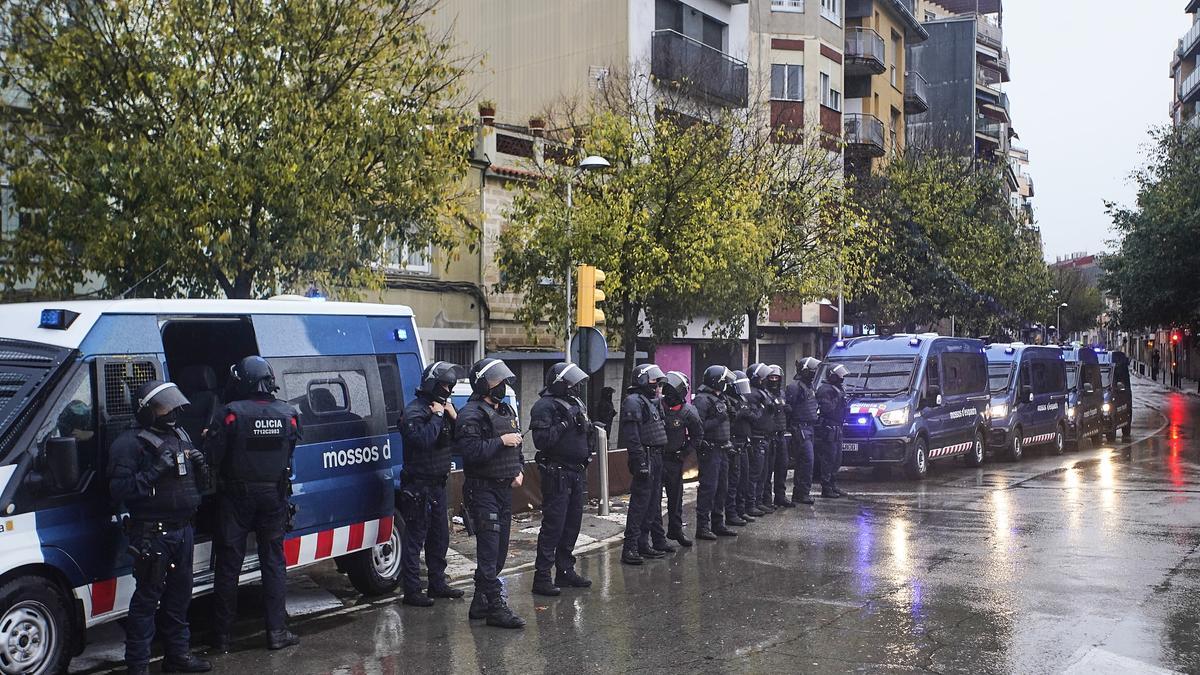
(913, 399)
(67, 373)
(1029, 398)
(1085, 395)
(1117, 409)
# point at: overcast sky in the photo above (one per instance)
(1089, 78)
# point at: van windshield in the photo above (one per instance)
(26, 369)
(879, 374)
(999, 375)
(1072, 377)
(1106, 376)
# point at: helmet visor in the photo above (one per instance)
(495, 373)
(742, 385)
(165, 398)
(652, 373)
(571, 375)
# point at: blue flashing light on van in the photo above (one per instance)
(1085, 390)
(912, 399)
(70, 370)
(1028, 386)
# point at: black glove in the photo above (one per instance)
(639, 465)
(164, 462)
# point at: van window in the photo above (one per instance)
(1048, 377)
(393, 388)
(998, 376)
(74, 415)
(933, 374)
(964, 374)
(333, 404)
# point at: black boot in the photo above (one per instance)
(417, 599)
(219, 643)
(444, 590)
(680, 537)
(479, 607)
(571, 579)
(281, 639)
(829, 492)
(703, 531)
(765, 507)
(803, 498)
(648, 551)
(663, 546)
(500, 616)
(735, 521)
(631, 557)
(188, 663)
(840, 492)
(138, 669)
(543, 586)
(785, 503)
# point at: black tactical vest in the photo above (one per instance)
(780, 411)
(676, 429)
(574, 444)
(764, 423)
(261, 441)
(803, 401)
(741, 426)
(653, 429)
(709, 406)
(432, 462)
(506, 462)
(175, 497)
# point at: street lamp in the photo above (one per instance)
(589, 163)
(1060, 309)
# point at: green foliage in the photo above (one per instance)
(1153, 272)
(241, 146)
(1084, 301)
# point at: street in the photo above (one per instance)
(1080, 563)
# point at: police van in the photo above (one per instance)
(1117, 409)
(1085, 395)
(1029, 398)
(912, 399)
(67, 373)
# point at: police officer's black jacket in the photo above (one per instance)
(763, 421)
(428, 439)
(685, 431)
(561, 429)
(713, 410)
(255, 439)
(778, 408)
(642, 424)
(802, 404)
(831, 401)
(741, 417)
(154, 493)
(477, 437)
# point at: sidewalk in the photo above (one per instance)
(1190, 387)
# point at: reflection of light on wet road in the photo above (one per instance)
(862, 559)
(1107, 474)
(1073, 507)
(1002, 528)
(1000, 509)
(901, 564)
(1174, 459)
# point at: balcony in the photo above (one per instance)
(1003, 64)
(1190, 43)
(916, 93)
(988, 78)
(709, 74)
(864, 52)
(1189, 91)
(989, 34)
(864, 135)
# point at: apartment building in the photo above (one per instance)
(881, 90)
(1185, 70)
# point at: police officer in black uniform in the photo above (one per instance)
(643, 433)
(802, 418)
(488, 436)
(685, 434)
(762, 457)
(831, 402)
(428, 432)
(251, 450)
(741, 423)
(157, 475)
(774, 491)
(713, 454)
(564, 437)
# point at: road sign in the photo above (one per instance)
(589, 349)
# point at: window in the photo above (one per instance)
(8, 212)
(895, 129)
(964, 374)
(458, 353)
(407, 258)
(333, 404)
(668, 15)
(933, 374)
(393, 389)
(787, 5)
(897, 57)
(787, 82)
(832, 10)
(74, 415)
(830, 97)
(713, 33)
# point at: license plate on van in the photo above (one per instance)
(849, 447)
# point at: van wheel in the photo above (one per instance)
(976, 454)
(1016, 447)
(916, 466)
(1060, 441)
(376, 570)
(1097, 440)
(34, 627)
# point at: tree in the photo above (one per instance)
(1084, 301)
(1153, 272)
(240, 146)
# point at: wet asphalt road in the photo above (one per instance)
(1081, 563)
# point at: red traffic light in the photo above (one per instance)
(1174, 338)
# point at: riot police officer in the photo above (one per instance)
(251, 450)
(428, 431)
(741, 423)
(643, 433)
(488, 436)
(685, 433)
(564, 437)
(714, 454)
(774, 490)
(762, 431)
(157, 475)
(831, 403)
(802, 418)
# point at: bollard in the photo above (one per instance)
(602, 458)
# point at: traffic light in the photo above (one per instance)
(586, 314)
(1175, 338)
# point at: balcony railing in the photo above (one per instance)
(864, 52)
(1190, 89)
(707, 72)
(1190, 41)
(864, 135)
(1004, 63)
(990, 128)
(916, 93)
(988, 77)
(989, 34)
(1194, 122)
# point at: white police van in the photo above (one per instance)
(67, 373)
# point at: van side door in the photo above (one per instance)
(960, 406)
(936, 416)
(1043, 410)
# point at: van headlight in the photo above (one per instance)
(894, 418)
(1106, 408)
(1071, 412)
(999, 411)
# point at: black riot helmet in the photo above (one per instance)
(491, 377)
(563, 379)
(676, 389)
(715, 378)
(774, 378)
(738, 384)
(837, 374)
(806, 370)
(157, 403)
(438, 379)
(253, 375)
(647, 377)
(757, 372)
